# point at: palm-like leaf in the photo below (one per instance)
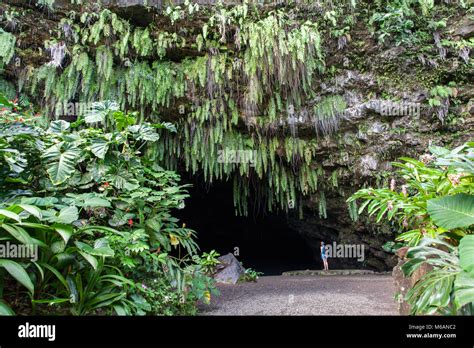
(452, 211)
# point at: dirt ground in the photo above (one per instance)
(307, 295)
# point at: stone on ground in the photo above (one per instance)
(229, 270)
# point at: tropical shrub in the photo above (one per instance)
(449, 287)
(250, 275)
(209, 262)
(117, 247)
(62, 268)
(435, 197)
(435, 211)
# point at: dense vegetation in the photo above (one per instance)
(433, 206)
(99, 211)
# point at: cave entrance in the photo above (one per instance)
(265, 242)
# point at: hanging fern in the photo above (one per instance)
(322, 205)
(104, 62)
(7, 47)
(327, 114)
(353, 211)
(271, 69)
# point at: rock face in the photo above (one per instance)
(229, 270)
(465, 28)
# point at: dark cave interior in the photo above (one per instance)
(264, 243)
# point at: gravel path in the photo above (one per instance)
(307, 295)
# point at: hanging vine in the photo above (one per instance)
(253, 69)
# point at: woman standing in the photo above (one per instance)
(324, 257)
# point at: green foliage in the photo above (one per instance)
(452, 211)
(436, 206)
(209, 262)
(55, 250)
(250, 275)
(46, 5)
(286, 54)
(353, 210)
(440, 100)
(327, 114)
(7, 47)
(100, 212)
(449, 287)
(425, 186)
(404, 21)
(393, 23)
(256, 71)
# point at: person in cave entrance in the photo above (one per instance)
(324, 257)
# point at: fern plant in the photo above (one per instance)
(7, 47)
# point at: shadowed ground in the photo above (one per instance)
(307, 295)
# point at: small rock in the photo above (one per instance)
(230, 270)
(402, 252)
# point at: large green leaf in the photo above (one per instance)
(59, 126)
(99, 147)
(452, 211)
(466, 254)
(18, 233)
(40, 201)
(123, 120)
(61, 162)
(412, 265)
(31, 209)
(144, 132)
(99, 111)
(5, 309)
(464, 284)
(101, 248)
(15, 159)
(165, 125)
(10, 215)
(89, 199)
(64, 230)
(431, 292)
(68, 215)
(463, 289)
(18, 273)
(123, 179)
(91, 259)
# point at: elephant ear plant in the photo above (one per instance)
(99, 210)
(435, 211)
(449, 287)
